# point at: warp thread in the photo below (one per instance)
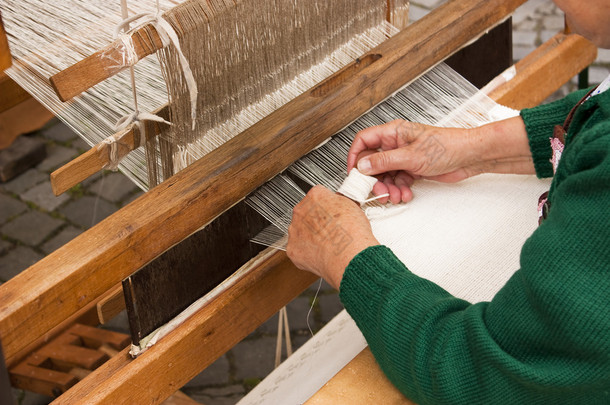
(358, 187)
(168, 36)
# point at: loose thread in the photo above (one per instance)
(313, 302)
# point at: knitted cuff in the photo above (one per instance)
(539, 123)
(369, 272)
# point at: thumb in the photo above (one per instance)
(386, 161)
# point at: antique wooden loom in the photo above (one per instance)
(68, 285)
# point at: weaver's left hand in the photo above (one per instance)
(326, 232)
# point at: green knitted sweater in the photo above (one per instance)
(545, 337)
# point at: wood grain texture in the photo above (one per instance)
(98, 157)
(564, 55)
(360, 382)
(111, 305)
(93, 262)
(197, 343)
(5, 52)
(11, 93)
(103, 64)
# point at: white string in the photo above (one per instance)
(358, 187)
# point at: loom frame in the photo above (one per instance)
(31, 308)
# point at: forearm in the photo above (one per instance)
(501, 147)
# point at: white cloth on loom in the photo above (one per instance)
(466, 237)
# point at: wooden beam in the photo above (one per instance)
(563, 55)
(98, 157)
(92, 263)
(197, 343)
(178, 357)
(102, 64)
(5, 52)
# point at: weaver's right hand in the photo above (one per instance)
(400, 152)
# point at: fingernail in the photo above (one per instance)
(364, 166)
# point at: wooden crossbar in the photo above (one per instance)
(92, 263)
(272, 281)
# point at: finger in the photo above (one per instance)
(396, 159)
(394, 191)
(404, 182)
(380, 189)
(373, 138)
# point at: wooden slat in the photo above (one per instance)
(197, 343)
(102, 64)
(5, 52)
(92, 263)
(360, 382)
(548, 67)
(111, 305)
(98, 157)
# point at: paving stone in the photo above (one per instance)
(554, 22)
(17, 260)
(80, 144)
(216, 374)
(528, 24)
(520, 52)
(5, 246)
(545, 35)
(207, 400)
(30, 398)
(603, 56)
(58, 131)
(113, 187)
(119, 323)
(87, 211)
(416, 13)
(63, 237)
(324, 288)
(224, 391)
(524, 38)
(254, 358)
(31, 228)
(228, 395)
(330, 305)
(23, 153)
(42, 196)
(25, 181)
(10, 207)
(597, 74)
(297, 317)
(56, 156)
(132, 198)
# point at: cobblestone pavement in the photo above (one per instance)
(33, 223)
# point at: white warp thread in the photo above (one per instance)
(358, 187)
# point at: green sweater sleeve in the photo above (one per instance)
(544, 338)
(539, 123)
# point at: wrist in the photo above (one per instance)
(501, 147)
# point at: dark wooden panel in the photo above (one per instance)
(161, 290)
(486, 58)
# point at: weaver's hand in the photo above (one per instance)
(326, 232)
(400, 152)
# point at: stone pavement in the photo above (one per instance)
(33, 223)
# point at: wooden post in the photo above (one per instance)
(5, 52)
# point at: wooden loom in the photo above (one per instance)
(67, 284)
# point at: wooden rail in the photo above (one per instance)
(69, 279)
(92, 263)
